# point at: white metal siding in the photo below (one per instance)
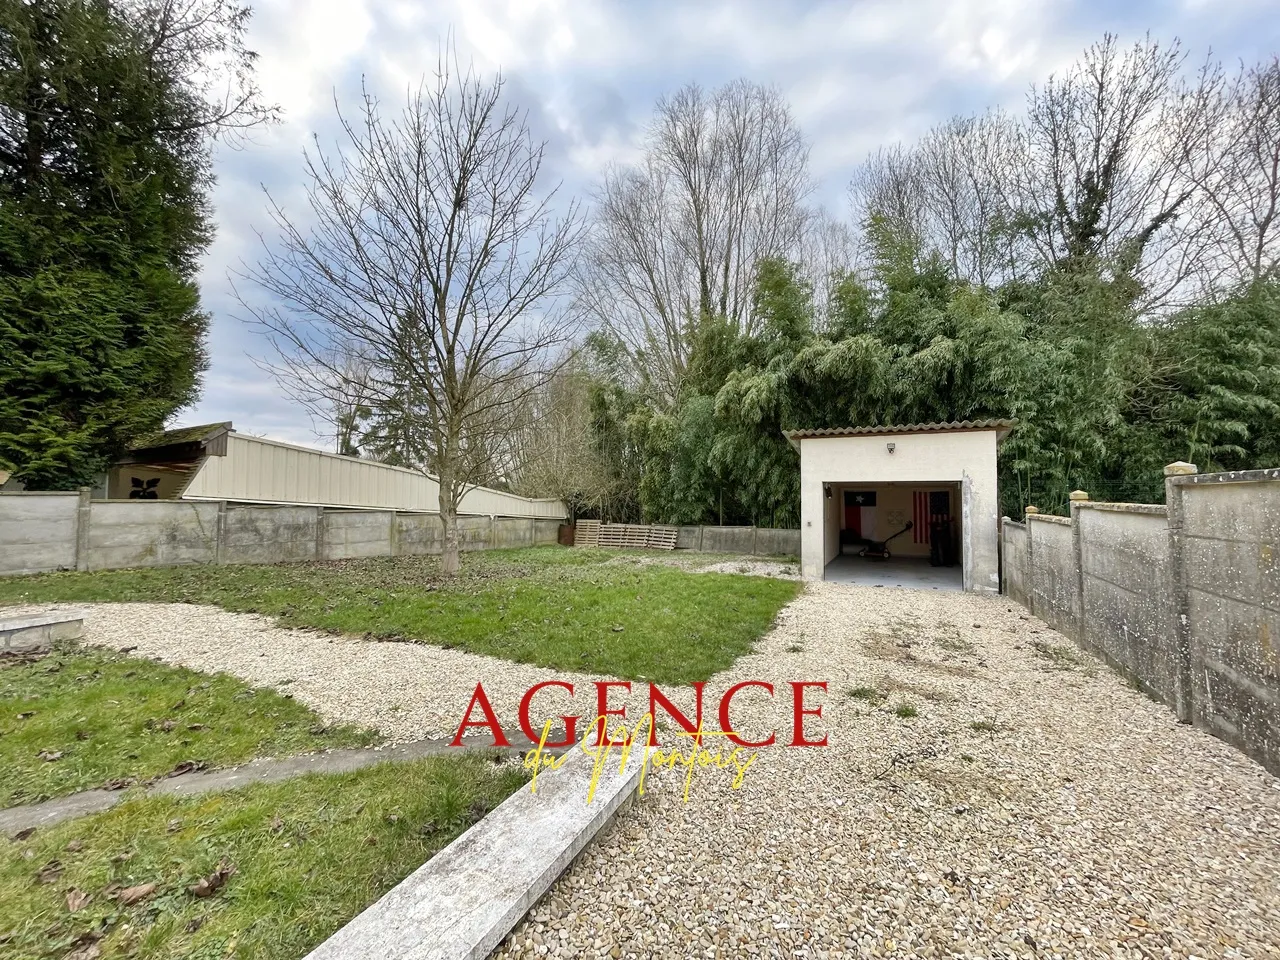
(266, 471)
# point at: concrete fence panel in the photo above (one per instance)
(1231, 544)
(271, 534)
(419, 534)
(38, 532)
(140, 533)
(1013, 561)
(1053, 585)
(774, 542)
(475, 533)
(728, 539)
(351, 534)
(1127, 583)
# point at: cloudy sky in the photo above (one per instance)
(858, 74)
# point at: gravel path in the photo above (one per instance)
(1036, 806)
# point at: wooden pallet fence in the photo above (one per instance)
(593, 533)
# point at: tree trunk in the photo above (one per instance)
(449, 562)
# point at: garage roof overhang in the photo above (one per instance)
(1002, 428)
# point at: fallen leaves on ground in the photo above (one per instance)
(131, 895)
(208, 886)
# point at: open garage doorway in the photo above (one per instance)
(913, 505)
(895, 534)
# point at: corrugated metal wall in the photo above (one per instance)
(266, 471)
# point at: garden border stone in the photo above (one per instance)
(463, 901)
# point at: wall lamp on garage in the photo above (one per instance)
(827, 491)
(890, 446)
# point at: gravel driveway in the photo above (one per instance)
(1035, 806)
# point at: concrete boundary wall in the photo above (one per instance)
(747, 541)
(43, 532)
(1183, 599)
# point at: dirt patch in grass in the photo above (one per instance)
(81, 718)
(268, 871)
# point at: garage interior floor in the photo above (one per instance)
(912, 572)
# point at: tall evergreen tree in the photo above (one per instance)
(106, 121)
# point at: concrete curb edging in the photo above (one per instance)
(462, 902)
(267, 770)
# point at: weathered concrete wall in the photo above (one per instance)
(1053, 584)
(67, 531)
(37, 532)
(1013, 563)
(1184, 599)
(350, 534)
(270, 534)
(155, 533)
(1125, 578)
(419, 533)
(1230, 542)
(728, 539)
(775, 542)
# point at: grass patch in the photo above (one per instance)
(906, 711)
(80, 718)
(307, 856)
(953, 642)
(549, 606)
(869, 694)
(1061, 657)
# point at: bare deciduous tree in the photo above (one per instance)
(433, 256)
(947, 192)
(553, 451)
(1231, 158)
(1099, 172)
(724, 182)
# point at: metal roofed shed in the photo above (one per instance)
(214, 462)
(916, 499)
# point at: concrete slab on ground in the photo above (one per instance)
(910, 572)
(465, 899)
(38, 631)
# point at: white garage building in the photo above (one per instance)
(914, 503)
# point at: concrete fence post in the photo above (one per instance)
(755, 540)
(701, 528)
(1180, 597)
(1077, 499)
(533, 532)
(393, 536)
(1030, 585)
(220, 534)
(320, 537)
(84, 514)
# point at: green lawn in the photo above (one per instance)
(570, 609)
(297, 861)
(80, 718)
